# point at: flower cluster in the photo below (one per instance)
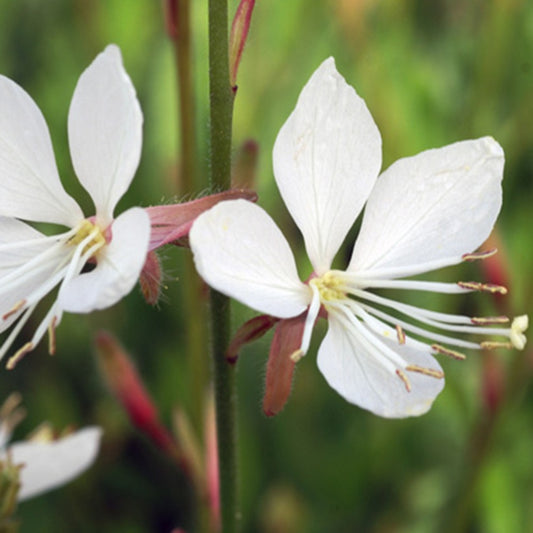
(423, 213)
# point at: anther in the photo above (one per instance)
(403, 376)
(479, 255)
(450, 353)
(17, 307)
(13, 360)
(489, 320)
(297, 355)
(431, 372)
(400, 334)
(483, 287)
(52, 336)
(493, 345)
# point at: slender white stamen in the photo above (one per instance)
(310, 319)
(420, 331)
(38, 240)
(15, 331)
(457, 323)
(408, 270)
(407, 284)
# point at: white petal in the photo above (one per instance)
(326, 159)
(12, 232)
(357, 375)
(105, 131)
(51, 464)
(239, 251)
(118, 267)
(30, 188)
(440, 203)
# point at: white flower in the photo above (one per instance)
(105, 138)
(423, 213)
(45, 463)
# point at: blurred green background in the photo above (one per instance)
(431, 72)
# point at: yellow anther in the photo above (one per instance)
(489, 320)
(14, 359)
(479, 255)
(400, 334)
(484, 287)
(17, 307)
(431, 372)
(493, 345)
(297, 355)
(52, 336)
(403, 376)
(450, 353)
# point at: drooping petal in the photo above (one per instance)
(30, 188)
(326, 159)
(118, 266)
(357, 374)
(440, 203)
(239, 251)
(48, 465)
(105, 131)
(280, 368)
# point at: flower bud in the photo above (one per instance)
(237, 40)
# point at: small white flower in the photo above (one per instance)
(45, 463)
(423, 213)
(105, 138)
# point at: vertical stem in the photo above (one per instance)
(221, 100)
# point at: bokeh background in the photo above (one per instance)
(431, 72)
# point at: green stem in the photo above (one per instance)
(221, 111)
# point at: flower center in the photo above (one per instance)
(91, 233)
(329, 287)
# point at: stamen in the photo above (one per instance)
(483, 287)
(400, 334)
(297, 355)
(479, 255)
(431, 372)
(489, 320)
(13, 360)
(450, 353)
(493, 345)
(17, 307)
(403, 376)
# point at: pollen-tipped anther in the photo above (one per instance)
(489, 320)
(495, 345)
(52, 336)
(431, 372)
(297, 355)
(17, 307)
(479, 255)
(403, 376)
(450, 353)
(14, 359)
(483, 287)
(400, 334)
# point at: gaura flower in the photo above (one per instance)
(423, 213)
(98, 259)
(42, 462)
